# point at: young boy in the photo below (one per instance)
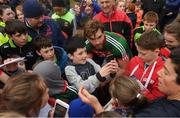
(172, 35)
(150, 21)
(145, 66)
(82, 71)
(46, 51)
(19, 43)
(63, 16)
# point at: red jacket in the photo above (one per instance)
(118, 22)
(152, 91)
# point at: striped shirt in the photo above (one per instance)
(114, 44)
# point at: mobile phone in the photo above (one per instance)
(109, 58)
(61, 108)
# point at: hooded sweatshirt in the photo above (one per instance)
(84, 74)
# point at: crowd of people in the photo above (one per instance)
(101, 58)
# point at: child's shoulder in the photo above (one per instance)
(90, 60)
(135, 61)
(139, 29)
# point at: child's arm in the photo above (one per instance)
(3, 77)
(93, 81)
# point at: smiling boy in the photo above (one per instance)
(83, 71)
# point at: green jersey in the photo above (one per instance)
(114, 44)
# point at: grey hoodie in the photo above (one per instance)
(84, 74)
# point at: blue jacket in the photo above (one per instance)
(161, 108)
(61, 57)
(50, 29)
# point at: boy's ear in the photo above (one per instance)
(38, 53)
(157, 51)
(70, 56)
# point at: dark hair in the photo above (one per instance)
(15, 26)
(91, 27)
(41, 42)
(174, 29)
(83, 22)
(151, 40)
(74, 44)
(175, 58)
(24, 93)
(108, 114)
(61, 3)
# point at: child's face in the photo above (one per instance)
(77, 9)
(149, 26)
(20, 39)
(47, 53)
(7, 15)
(20, 15)
(88, 9)
(170, 40)
(79, 56)
(59, 11)
(37, 21)
(147, 56)
(121, 6)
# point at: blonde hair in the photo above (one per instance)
(126, 91)
(11, 114)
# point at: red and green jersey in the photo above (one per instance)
(114, 44)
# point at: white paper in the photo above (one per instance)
(13, 61)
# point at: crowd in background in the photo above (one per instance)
(104, 58)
